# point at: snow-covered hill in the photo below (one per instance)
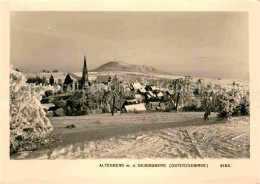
(121, 66)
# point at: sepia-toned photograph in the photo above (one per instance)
(128, 84)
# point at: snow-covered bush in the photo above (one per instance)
(232, 103)
(227, 103)
(29, 127)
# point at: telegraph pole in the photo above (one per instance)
(178, 93)
(113, 106)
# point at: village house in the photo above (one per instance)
(131, 97)
(150, 96)
(141, 91)
(130, 102)
(136, 86)
(160, 95)
(134, 108)
(152, 88)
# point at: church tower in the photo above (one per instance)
(84, 78)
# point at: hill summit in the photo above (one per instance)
(122, 66)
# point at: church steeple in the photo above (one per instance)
(84, 73)
(85, 63)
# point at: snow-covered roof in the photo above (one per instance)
(151, 94)
(160, 94)
(74, 76)
(137, 85)
(48, 105)
(142, 90)
(135, 107)
(132, 101)
(153, 88)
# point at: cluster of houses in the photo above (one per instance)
(147, 98)
(134, 96)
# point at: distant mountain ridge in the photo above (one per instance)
(122, 66)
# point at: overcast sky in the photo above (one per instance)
(204, 44)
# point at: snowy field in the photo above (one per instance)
(158, 135)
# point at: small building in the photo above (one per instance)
(141, 90)
(160, 95)
(150, 95)
(135, 108)
(136, 86)
(151, 88)
(130, 102)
